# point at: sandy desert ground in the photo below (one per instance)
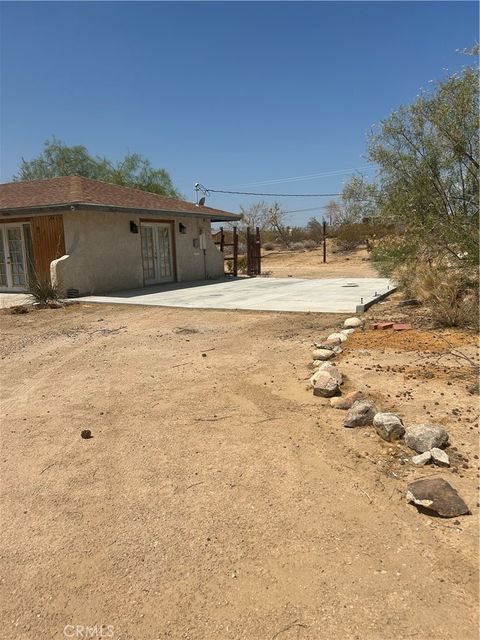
(281, 263)
(218, 498)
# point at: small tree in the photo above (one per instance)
(428, 156)
(334, 213)
(276, 222)
(57, 159)
(255, 215)
(315, 230)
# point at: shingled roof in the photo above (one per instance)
(75, 191)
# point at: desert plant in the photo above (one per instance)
(297, 246)
(42, 290)
(268, 246)
(242, 264)
(452, 296)
(309, 244)
(349, 236)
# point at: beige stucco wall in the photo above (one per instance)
(103, 255)
(197, 263)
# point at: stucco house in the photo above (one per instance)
(95, 237)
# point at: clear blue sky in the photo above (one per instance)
(225, 93)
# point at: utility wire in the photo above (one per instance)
(206, 191)
(310, 176)
(320, 206)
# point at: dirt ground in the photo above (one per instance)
(282, 263)
(218, 498)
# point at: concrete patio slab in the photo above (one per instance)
(330, 295)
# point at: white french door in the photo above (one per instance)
(157, 254)
(13, 259)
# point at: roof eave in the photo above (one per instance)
(111, 208)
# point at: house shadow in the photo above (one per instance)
(170, 286)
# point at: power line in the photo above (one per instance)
(207, 191)
(320, 206)
(311, 176)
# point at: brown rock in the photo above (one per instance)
(436, 494)
(325, 385)
(346, 402)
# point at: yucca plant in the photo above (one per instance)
(42, 290)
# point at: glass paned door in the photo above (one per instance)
(157, 252)
(164, 252)
(3, 260)
(17, 256)
(13, 272)
(148, 254)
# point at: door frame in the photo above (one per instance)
(173, 243)
(18, 225)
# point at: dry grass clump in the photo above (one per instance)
(451, 293)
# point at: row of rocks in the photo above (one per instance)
(427, 440)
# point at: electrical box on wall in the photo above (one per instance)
(133, 227)
(196, 243)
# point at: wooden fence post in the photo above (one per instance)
(324, 241)
(235, 252)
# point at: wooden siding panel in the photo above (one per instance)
(48, 241)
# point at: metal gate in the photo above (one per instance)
(249, 263)
(231, 259)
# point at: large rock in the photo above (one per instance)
(322, 354)
(337, 336)
(346, 402)
(423, 437)
(361, 414)
(331, 369)
(389, 426)
(352, 323)
(436, 494)
(347, 332)
(325, 385)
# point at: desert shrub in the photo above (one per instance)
(309, 244)
(452, 296)
(268, 246)
(42, 289)
(297, 246)
(348, 236)
(451, 293)
(242, 264)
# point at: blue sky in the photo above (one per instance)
(226, 93)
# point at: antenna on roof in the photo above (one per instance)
(204, 190)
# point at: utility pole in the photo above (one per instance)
(324, 241)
